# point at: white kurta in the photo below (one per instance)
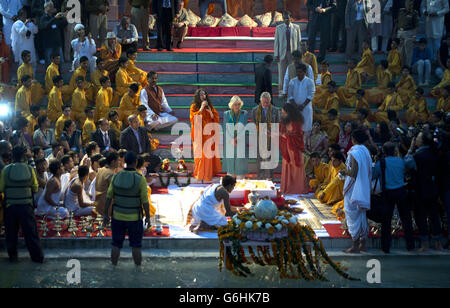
(434, 26)
(299, 91)
(9, 9)
(357, 192)
(309, 74)
(86, 49)
(207, 209)
(21, 42)
(164, 119)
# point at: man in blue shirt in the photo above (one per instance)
(421, 62)
(395, 195)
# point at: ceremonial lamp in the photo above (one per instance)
(43, 225)
(72, 225)
(100, 228)
(89, 226)
(58, 223)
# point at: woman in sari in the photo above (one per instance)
(71, 137)
(5, 60)
(345, 136)
(202, 113)
(317, 141)
(293, 177)
(234, 121)
(110, 53)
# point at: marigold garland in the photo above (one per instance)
(298, 255)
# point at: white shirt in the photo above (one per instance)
(164, 104)
(309, 74)
(86, 48)
(8, 9)
(20, 41)
(300, 91)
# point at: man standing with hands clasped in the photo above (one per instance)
(301, 92)
(128, 189)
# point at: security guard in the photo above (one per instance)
(129, 191)
(18, 182)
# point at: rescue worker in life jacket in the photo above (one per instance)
(128, 189)
(18, 182)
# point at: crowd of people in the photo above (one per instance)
(98, 126)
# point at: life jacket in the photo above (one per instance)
(18, 179)
(127, 194)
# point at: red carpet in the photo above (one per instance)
(211, 50)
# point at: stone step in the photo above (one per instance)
(210, 77)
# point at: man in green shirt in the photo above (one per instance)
(18, 182)
(128, 189)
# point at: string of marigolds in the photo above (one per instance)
(298, 255)
(173, 175)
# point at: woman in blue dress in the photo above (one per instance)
(234, 121)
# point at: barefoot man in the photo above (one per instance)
(206, 212)
(358, 175)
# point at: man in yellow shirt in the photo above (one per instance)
(366, 67)
(141, 113)
(361, 103)
(443, 104)
(98, 73)
(375, 96)
(392, 102)
(55, 101)
(33, 119)
(138, 75)
(104, 98)
(123, 79)
(331, 191)
(60, 122)
(37, 91)
(80, 71)
(418, 109)
(331, 103)
(320, 171)
(23, 96)
(309, 58)
(321, 94)
(347, 93)
(88, 126)
(331, 126)
(406, 86)
(129, 103)
(394, 58)
(79, 102)
(115, 124)
(52, 72)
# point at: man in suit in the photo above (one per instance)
(165, 11)
(338, 27)
(266, 113)
(356, 24)
(287, 39)
(204, 4)
(104, 136)
(263, 78)
(134, 138)
(320, 19)
(426, 205)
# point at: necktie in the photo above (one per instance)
(106, 139)
(288, 38)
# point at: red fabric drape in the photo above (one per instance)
(5, 53)
(291, 139)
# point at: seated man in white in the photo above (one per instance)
(76, 200)
(83, 46)
(159, 114)
(207, 212)
(49, 202)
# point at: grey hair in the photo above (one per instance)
(265, 94)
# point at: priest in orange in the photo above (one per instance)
(293, 177)
(110, 52)
(321, 95)
(406, 86)
(418, 109)
(392, 101)
(331, 191)
(202, 113)
(159, 113)
(347, 93)
(366, 67)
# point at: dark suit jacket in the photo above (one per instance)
(351, 10)
(263, 80)
(426, 162)
(128, 140)
(328, 5)
(97, 136)
(157, 6)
